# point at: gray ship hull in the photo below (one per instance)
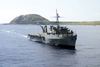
(61, 40)
(55, 39)
(66, 41)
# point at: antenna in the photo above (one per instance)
(57, 16)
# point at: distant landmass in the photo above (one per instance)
(34, 18)
(78, 23)
(29, 19)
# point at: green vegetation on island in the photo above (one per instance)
(29, 19)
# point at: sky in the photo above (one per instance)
(69, 10)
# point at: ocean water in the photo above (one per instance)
(16, 50)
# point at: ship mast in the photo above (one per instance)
(57, 18)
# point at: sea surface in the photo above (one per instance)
(16, 50)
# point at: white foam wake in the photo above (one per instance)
(13, 32)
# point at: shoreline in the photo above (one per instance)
(63, 23)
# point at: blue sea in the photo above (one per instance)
(16, 50)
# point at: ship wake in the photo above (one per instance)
(14, 32)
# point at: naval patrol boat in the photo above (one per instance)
(57, 35)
